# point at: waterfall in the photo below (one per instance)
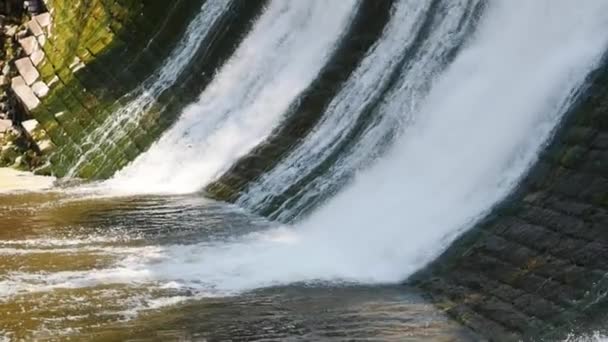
(285, 51)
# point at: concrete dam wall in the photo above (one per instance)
(98, 89)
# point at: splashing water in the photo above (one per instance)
(283, 54)
(425, 56)
(476, 133)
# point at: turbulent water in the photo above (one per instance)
(438, 123)
(469, 140)
(472, 131)
(277, 61)
(413, 49)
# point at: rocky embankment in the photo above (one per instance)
(22, 28)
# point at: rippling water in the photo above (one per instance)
(71, 269)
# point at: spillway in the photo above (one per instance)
(471, 137)
(457, 147)
(140, 100)
(275, 63)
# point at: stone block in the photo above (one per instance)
(37, 57)
(25, 93)
(29, 44)
(30, 125)
(40, 89)
(35, 28)
(27, 70)
(44, 19)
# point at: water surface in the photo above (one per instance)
(84, 268)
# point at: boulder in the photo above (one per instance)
(24, 92)
(27, 70)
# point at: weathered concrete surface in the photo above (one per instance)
(538, 266)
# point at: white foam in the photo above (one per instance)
(285, 51)
(395, 110)
(475, 135)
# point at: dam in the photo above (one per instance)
(270, 170)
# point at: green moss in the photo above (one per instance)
(573, 156)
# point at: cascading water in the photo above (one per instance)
(141, 100)
(277, 61)
(469, 142)
(414, 46)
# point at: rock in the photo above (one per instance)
(43, 19)
(25, 93)
(30, 126)
(37, 57)
(35, 27)
(5, 125)
(40, 89)
(3, 80)
(29, 44)
(10, 30)
(6, 69)
(42, 40)
(27, 70)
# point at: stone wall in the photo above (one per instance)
(537, 267)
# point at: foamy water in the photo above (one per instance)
(475, 135)
(283, 54)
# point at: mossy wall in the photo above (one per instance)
(96, 52)
(537, 268)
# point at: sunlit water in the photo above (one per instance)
(84, 269)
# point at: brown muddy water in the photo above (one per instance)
(93, 268)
